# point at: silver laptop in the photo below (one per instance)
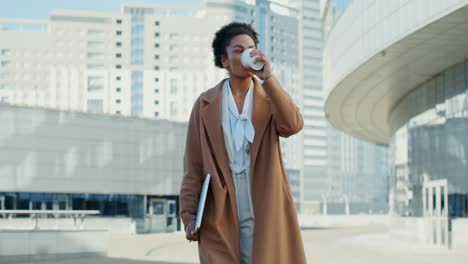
(201, 202)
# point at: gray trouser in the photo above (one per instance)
(245, 215)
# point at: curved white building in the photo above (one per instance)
(395, 73)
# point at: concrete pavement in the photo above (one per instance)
(350, 245)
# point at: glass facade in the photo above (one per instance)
(107, 204)
(316, 178)
(137, 39)
(137, 93)
(295, 185)
(358, 175)
(137, 58)
(431, 142)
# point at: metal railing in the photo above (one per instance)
(34, 214)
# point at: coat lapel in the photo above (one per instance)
(226, 123)
(211, 116)
(212, 119)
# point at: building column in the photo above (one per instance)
(465, 205)
(438, 201)
(438, 211)
(347, 211)
(145, 214)
(324, 208)
(431, 200)
(424, 194)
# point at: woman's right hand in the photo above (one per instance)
(190, 233)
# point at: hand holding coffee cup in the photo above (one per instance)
(249, 62)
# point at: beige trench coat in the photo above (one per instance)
(277, 237)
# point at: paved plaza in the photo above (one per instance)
(350, 245)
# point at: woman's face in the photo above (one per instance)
(232, 63)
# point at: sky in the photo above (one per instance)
(39, 9)
(341, 5)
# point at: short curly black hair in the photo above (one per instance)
(224, 36)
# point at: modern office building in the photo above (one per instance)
(357, 171)
(316, 180)
(147, 61)
(395, 73)
(66, 160)
(277, 24)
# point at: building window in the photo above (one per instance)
(156, 68)
(5, 52)
(156, 91)
(156, 102)
(95, 105)
(118, 66)
(119, 21)
(118, 32)
(118, 44)
(117, 101)
(156, 57)
(156, 45)
(95, 83)
(156, 23)
(118, 55)
(156, 114)
(96, 44)
(118, 89)
(173, 86)
(117, 112)
(156, 79)
(95, 55)
(156, 34)
(118, 78)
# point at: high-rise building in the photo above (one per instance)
(277, 26)
(148, 61)
(315, 182)
(338, 169)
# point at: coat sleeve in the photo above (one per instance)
(286, 114)
(193, 169)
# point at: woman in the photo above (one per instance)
(233, 134)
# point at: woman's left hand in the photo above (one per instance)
(265, 72)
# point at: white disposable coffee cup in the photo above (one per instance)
(249, 62)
